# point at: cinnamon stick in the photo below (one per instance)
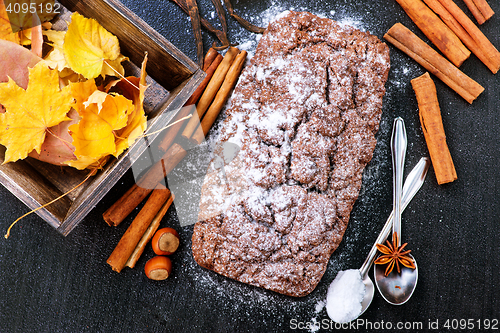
(437, 32)
(222, 96)
(172, 132)
(417, 49)
(115, 214)
(140, 190)
(432, 126)
(211, 90)
(135, 231)
(209, 58)
(467, 31)
(149, 233)
(174, 154)
(203, 85)
(480, 9)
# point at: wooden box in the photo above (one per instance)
(172, 77)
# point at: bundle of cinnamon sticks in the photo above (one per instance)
(204, 105)
(454, 34)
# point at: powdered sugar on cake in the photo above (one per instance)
(300, 130)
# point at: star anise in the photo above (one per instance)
(392, 255)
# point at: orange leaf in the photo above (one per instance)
(102, 114)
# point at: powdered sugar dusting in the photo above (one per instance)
(245, 302)
(304, 115)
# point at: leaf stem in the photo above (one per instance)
(120, 75)
(91, 173)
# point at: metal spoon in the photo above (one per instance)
(413, 182)
(397, 288)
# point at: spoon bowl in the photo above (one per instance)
(396, 288)
(369, 293)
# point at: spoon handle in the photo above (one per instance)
(398, 149)
(412, 184)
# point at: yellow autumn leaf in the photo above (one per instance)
(29, 113)
(94, 136)
(56, 57)
(98, 97)
(85, 162)
(88, 46)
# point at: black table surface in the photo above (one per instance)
(51, 283)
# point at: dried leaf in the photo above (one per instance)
(55, 58)
(114, 67)
(101, 114)
(15, 63)
(81, 91)
(29, 113)
(57, 148)
(88, 46)
(101, 123)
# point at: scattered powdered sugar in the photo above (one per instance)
(243, 299)
(319, 306)
(345, 294)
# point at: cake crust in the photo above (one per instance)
(287, 171)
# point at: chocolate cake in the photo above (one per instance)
(301, 128)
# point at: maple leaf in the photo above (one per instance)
(29, 113)
(88, 46)
(15, 63)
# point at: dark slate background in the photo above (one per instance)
(51, 283)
